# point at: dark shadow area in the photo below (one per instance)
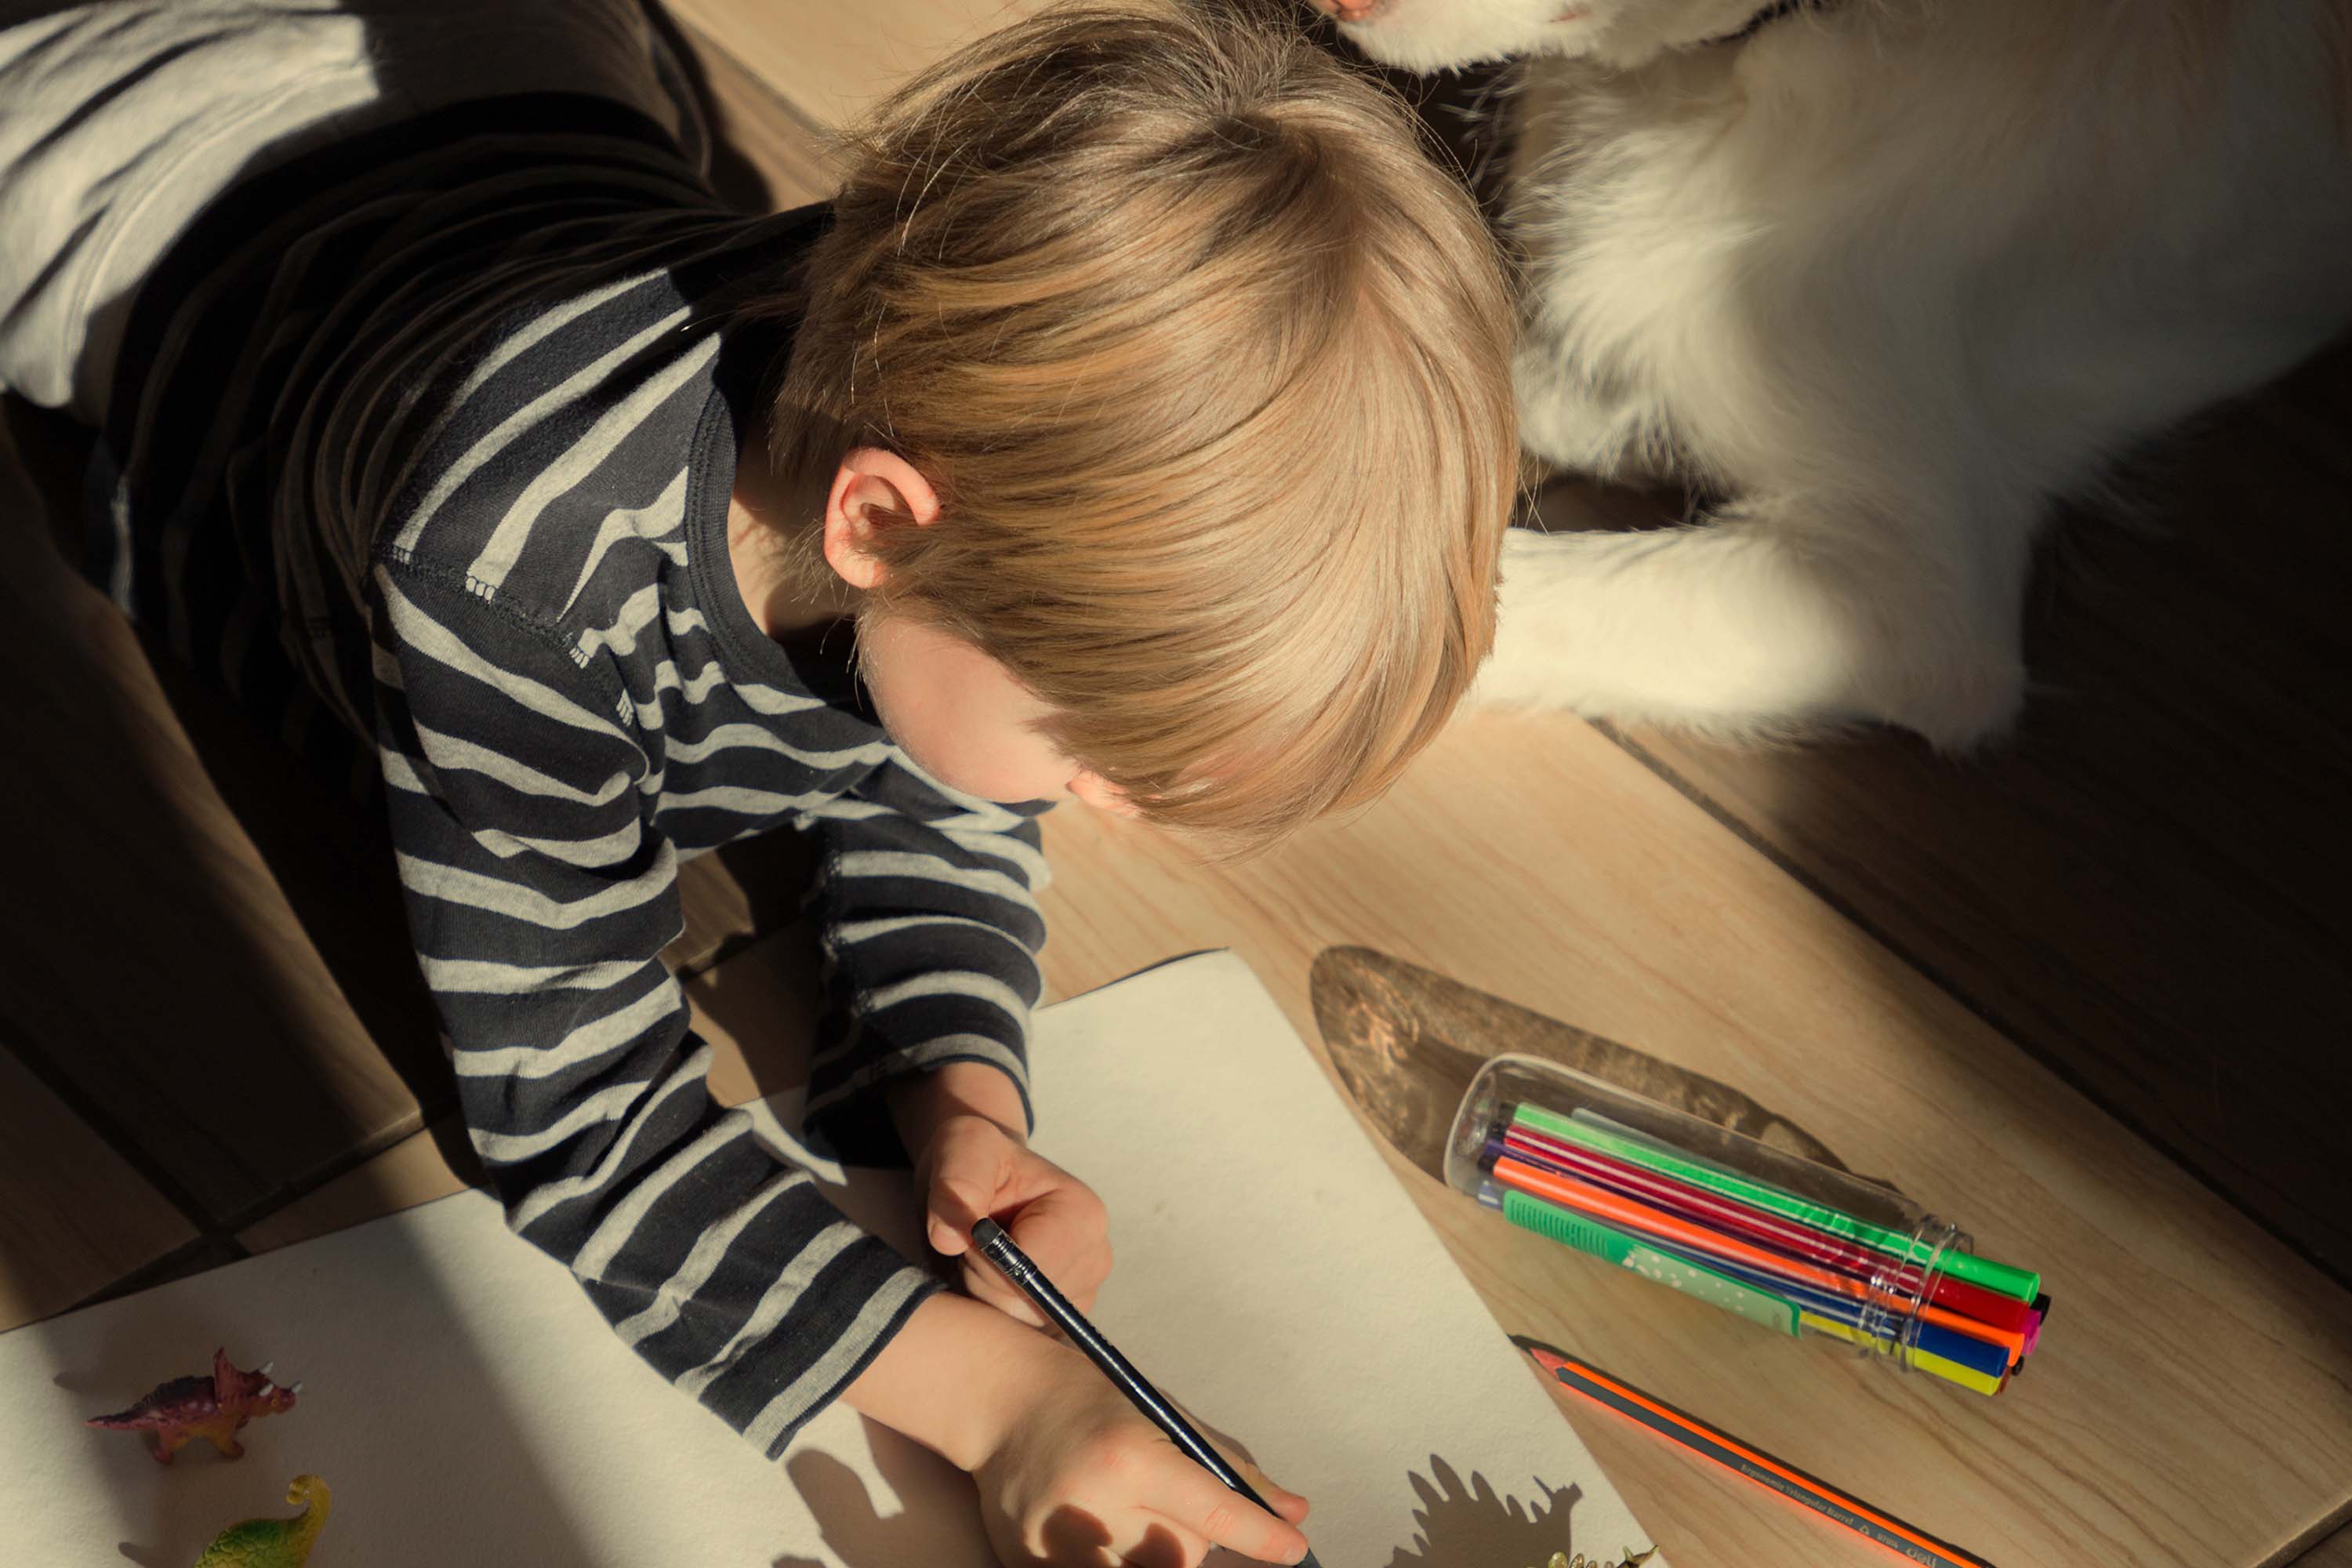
(1458, 1522)
(142, 988)
(737, 179)
(149, 977)
(1466, 1525)
(2145, 888)
(1406, 1043)
(854, 1529)
(1074, 1535)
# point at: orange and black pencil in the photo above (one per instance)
(1733, 1455)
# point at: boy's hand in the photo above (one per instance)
(974, 1170)
(963, 1125)
(1069, 1473)
(1081, 1479)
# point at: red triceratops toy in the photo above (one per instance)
(210, 1407)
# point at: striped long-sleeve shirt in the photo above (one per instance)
(471, 389)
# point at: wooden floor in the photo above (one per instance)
(2129, 925)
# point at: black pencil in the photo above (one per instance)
(998, 1249)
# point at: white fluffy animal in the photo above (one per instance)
(1891, 275)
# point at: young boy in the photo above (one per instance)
(1141, 403)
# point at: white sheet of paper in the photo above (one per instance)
(468, 1406)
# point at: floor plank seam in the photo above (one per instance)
(326, 1174)
(205, 1252)
(2059, 1067)
(117, 1139)
(820, 138)
(2337, 1522)
(2308, 434)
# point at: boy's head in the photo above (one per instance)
(1173, 378)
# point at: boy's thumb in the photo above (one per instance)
(956, 1206)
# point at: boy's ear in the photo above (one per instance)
(873, 490)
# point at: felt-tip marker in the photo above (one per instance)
(1013, 1264)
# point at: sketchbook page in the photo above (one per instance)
(468, 1404)
(1272, 1276)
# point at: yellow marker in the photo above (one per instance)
(1951, 1371)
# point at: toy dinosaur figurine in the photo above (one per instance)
(274, 1543)
(210, 1407)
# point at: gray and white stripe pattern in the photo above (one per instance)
(499, 454)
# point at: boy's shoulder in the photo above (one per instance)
(573, 493)
(569, 458)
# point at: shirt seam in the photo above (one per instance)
(405, 562)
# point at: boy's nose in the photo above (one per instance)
(1349, 10)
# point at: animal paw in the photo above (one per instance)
(1574, 420)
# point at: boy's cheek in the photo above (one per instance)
(1007, 769)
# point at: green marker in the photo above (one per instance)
(2021, 1284)
(1631, 1252)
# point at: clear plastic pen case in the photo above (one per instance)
(1786, 1241)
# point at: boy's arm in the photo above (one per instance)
(925, 903)
(539, 899)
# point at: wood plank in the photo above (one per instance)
(2313, 408)
(157, 963)
(271, 1026)
(738, 896)
(1536, 861)
(199, 1256)
(767, 155)
(1668, 933)
(421, 1167)
(2336, 1551)
(830, 62)
(2149, 886)
(1663, 933)
(76, 1215)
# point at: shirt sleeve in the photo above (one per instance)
(924, 904)
(539, 898)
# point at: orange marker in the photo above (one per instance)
(1602, 1203)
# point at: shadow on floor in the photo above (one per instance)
(150, 971)
(2146, 887)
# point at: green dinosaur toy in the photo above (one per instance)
(274, 1543)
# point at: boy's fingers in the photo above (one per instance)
(1064, 1234)
(983, 1283)
(1286, 1504)
(957, 1204)
(1196, 1499)
(1152, 1550)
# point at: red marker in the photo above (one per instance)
(1627, 1214)
(1736, 1218)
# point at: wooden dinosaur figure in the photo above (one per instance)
(274, 1543)
(210, 1407)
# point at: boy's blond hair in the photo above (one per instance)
(1208, 364)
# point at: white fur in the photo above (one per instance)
(1892, 274)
